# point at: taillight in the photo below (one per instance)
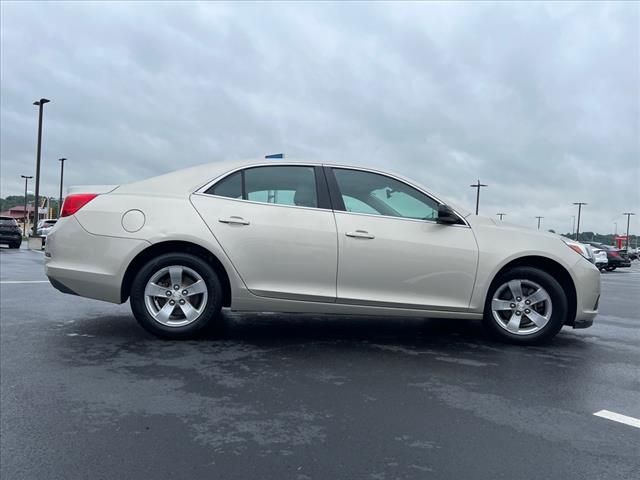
(75, 202)
(614, 254)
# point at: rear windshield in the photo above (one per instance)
(8, 222)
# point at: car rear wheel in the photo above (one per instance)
(176, 296)
(525, 305)
(14, 245)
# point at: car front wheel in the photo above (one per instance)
(525, 305)
(176, 295)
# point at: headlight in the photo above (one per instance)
(576, 247)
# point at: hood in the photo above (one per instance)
(482, 221)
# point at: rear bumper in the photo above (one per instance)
(11, 237)
(621, 264)
(91, 266)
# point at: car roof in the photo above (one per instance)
(191, 179)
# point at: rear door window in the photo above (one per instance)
(278, 184)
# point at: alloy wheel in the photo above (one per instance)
(175, 296)
(521, 307)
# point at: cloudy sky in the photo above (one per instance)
(540, 101)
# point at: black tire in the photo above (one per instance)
(14, 245)
(610, 269)
(211, 308)
(559, 306)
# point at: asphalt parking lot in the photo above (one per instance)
(86, 393)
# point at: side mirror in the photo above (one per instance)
(446, 215)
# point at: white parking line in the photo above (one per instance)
(617, 417)
(24, 281)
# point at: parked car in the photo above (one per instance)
(45, 225)
(600, 257)
(616, 258)
(10, 232)
(306, 237)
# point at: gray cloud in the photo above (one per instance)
(540, 101)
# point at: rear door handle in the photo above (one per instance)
(234, 220)
(360, 234)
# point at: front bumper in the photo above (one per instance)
(586, 277)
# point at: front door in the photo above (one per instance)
(391, 250)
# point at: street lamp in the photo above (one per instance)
(580, 204)
(61, 160)
(40, 103)
(478, 186)
(628, 214)
(500, 215)
(539, 218)
(26, 179)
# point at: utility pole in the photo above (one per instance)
(539, 218)
(61, 160)
(40, 103)
(501, 215)
(580, 204)
(628, 214)
(478, 186)
(26, 215)
(573, 225)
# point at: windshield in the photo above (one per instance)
(8, 222)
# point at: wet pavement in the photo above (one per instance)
(86, 393)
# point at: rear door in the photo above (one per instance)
(275, 224)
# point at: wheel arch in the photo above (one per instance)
(172, 246)
(553, 268)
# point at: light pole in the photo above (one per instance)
(628, 214)
(61, 160)
(478, 186)
(573, 224)
(580, 204)
(499, 214)
(26, 215)
(40, 103)
(539, 218)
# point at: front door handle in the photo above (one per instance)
(233, 220)
(360, 234)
